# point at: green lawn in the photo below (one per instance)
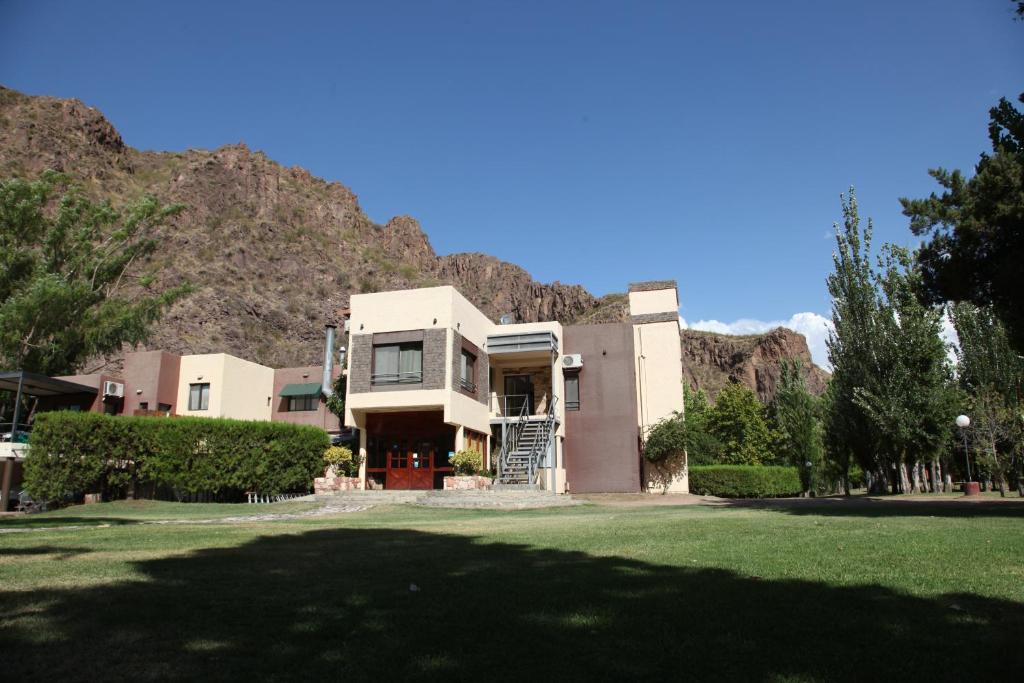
(908, 592)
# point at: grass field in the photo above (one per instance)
(906, 592)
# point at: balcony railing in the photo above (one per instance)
(467, 385)
(19, 435)
(397, 378)
(511, 404)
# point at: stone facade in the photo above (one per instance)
(666, 317)
(361, 363)
(467, 483)
(541, 377)
(482, 379)
(322, 485)
(652, 285)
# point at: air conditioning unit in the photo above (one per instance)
(572, 361)
(113, 389)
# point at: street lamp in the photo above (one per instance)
(963, 422)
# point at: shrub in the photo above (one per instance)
(745, 481)
(344, 462)
(73, 453)
(467, 462)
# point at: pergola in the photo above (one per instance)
(23, 383)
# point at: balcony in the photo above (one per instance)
(525, 342)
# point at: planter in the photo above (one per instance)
(467, 483)
(323, 485)
(972, 488)
(92, 498)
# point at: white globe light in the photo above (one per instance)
(963, 421)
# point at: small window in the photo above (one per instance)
(300, 403)
(572, 392)
(164, 407)
(467, 372)
(398, 363)
(143, 405)
(199, 396)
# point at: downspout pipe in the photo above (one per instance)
(326, 385)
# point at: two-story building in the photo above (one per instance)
(559, 407)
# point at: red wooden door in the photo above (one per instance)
(398, 467)
(421, 466)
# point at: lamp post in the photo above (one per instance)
(970, 488)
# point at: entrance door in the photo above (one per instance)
(410, 465)
(518, 390)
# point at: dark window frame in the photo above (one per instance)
(303, 403)
(571, 405)
(204, 391)
(399, 378)
(467, 360)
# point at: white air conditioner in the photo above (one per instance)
(113, 389)
(572, 361)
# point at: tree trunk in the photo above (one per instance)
(846, 484)
(934, 476)
(915, 471)
(1002, 485)
(904, 478)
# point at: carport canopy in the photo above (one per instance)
(32, 384)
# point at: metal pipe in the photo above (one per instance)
(326, 385)
(17, 409)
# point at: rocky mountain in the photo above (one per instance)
(712, 360)
(274, 252)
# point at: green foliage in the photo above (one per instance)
(702, 447)
(72, 453)
(344, 462)
(468, 462)
(65, 291)
(890, 403)
(976, 227)
(666, 439)
(798, 423)
(738, 422)
(745, 481)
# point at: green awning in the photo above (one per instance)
(301, 390)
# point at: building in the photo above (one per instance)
(165, 384)
(559, 407)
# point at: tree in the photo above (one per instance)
(738, 422)
(851, 348)
(908, 398)
(890, 402)
(702, 447)
(976, 227)
(798, 423)
(991, 373)
(67, 292)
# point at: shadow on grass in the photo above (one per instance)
(37, 522)
(404, 605)
(61, 553)
(879, 506)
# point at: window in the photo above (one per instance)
(306, 402)
(467, 372)
(572, 392)
(199, 396)
(143, 405)
(398, 363)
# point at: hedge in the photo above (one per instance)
(745, 481)
(71, 453)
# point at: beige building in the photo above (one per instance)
(429, 374)
(219, 385)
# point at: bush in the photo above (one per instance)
(745, 481)
(73, 453)
(468, 462)
(343, 461)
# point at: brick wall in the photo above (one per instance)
(482, 372)
(434, 358)
(361, 354)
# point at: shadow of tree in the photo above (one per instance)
(61, 552)
(864, 506)
(398, 604)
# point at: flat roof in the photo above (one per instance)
(34, 384)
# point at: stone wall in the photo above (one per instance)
(361, 363)
(467, 483)
(322, 485)
(482, 379)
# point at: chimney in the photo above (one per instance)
(327, 383)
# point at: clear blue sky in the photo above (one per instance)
(590, 142)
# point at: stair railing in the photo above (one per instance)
(510, 442)
(543, 440)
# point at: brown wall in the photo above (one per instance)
(155, 374)
(321, 417)
(602, 438)
(95, 404)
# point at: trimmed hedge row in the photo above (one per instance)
(745, 481)
(72, 453)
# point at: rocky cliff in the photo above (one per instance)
(274, 252)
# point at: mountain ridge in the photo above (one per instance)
(274, 251)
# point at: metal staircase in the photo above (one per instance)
(526, 443)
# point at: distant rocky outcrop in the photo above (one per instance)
(274, 251)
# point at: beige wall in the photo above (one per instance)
(239, 389)
(654, 301)
(658, 366)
